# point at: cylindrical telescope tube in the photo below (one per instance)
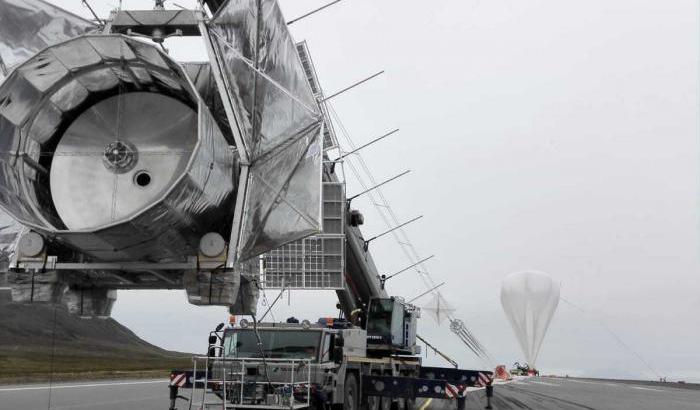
(106, 147)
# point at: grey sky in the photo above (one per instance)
(554, 135)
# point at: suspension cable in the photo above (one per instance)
(387, 213)
(614, 335)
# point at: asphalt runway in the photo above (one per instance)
(544, 393)
(99, 395)
(535, 393)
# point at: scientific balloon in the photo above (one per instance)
(529, 300)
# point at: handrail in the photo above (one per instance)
(251, 359)
(226, 372)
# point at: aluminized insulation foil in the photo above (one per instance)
(29, 26)
(200, 73)
(104, 202)
(106, 147)
(279, 121)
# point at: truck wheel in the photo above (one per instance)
(386, 404)
(373, 402)
(351, 394)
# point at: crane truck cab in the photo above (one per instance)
(391, 326)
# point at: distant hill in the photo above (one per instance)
(101, 347)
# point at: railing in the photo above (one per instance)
(290, 377)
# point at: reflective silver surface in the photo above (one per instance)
(82, 186)
(156, 136)
(28, 26)
(10, 234)
(279, 121)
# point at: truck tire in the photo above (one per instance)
(373, 402)
(403, 404)
(386, 404)
(379, 403)
(351, 396)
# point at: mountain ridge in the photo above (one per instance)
(40, 341)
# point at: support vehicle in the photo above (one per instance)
(332, 363)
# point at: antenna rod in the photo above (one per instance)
(444, 356)
(409, 267)
(313, 12)
(2, 67)
(391, 230)
(377, 186)
(274, 301)
(366, 145)
(353, 86)
(425, 293)
(93, 12)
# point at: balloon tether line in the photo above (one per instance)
(615, 336)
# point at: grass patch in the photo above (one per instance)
(82, 348)
(39, 366)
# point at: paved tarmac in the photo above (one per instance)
(543, 393)
(535, 393)
(99, 395)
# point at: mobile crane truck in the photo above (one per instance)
(367, 359)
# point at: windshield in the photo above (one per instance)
(380, 313)
(276, 344)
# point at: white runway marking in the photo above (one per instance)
(78, 386)
(545, 383)
(581, 381)
(645, 388)
(426, 404)
(597, 383)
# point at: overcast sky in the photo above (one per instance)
(554, 135)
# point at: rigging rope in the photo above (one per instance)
(391, 220)
(617, 338)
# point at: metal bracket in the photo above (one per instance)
(148, 22)
(52, 263)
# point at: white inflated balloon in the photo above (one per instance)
(529, 300)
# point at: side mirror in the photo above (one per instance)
(218, 328)
(337, 355)
(213, 339)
